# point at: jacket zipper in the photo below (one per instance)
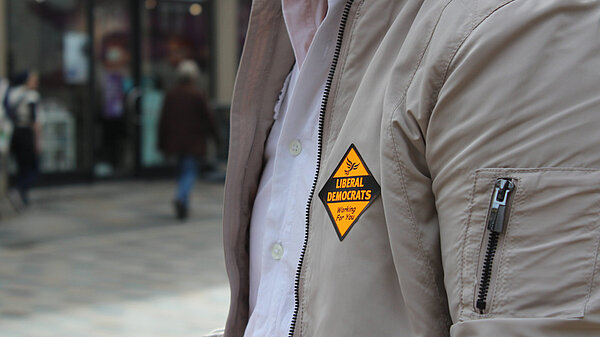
(495, 226)
(325, 99)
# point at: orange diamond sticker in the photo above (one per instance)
(350, 190)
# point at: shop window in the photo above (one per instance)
(51, 37)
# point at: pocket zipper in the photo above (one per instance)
(495, 226)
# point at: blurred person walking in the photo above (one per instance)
(21, 104)
(186, 124)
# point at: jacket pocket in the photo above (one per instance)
(531, 243)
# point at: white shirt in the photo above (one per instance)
(278, 219)
(20, 98)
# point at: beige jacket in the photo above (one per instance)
(479, 121)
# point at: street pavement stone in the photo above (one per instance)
(110, 260)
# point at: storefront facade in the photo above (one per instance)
(104, 67)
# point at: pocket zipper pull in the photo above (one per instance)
(498, 210)
(495, 225)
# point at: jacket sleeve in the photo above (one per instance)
(512, 145)
(209, 122)
(163, 124)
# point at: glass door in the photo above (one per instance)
(114, 131)
(171, 31)
(138, 45)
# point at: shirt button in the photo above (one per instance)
(277, 251)
(295, 147)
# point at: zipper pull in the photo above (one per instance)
(501, 190)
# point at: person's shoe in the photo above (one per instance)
(24, 194)
(16, 201)
(181, 210)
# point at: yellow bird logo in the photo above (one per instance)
(351, 166)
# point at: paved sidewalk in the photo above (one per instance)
(110, 260)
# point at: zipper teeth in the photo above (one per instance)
(486, 273)
(326, 92)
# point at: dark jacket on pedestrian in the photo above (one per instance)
(186, 122)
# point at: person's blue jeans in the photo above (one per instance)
(188, 170)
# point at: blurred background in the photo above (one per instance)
(99, 251)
